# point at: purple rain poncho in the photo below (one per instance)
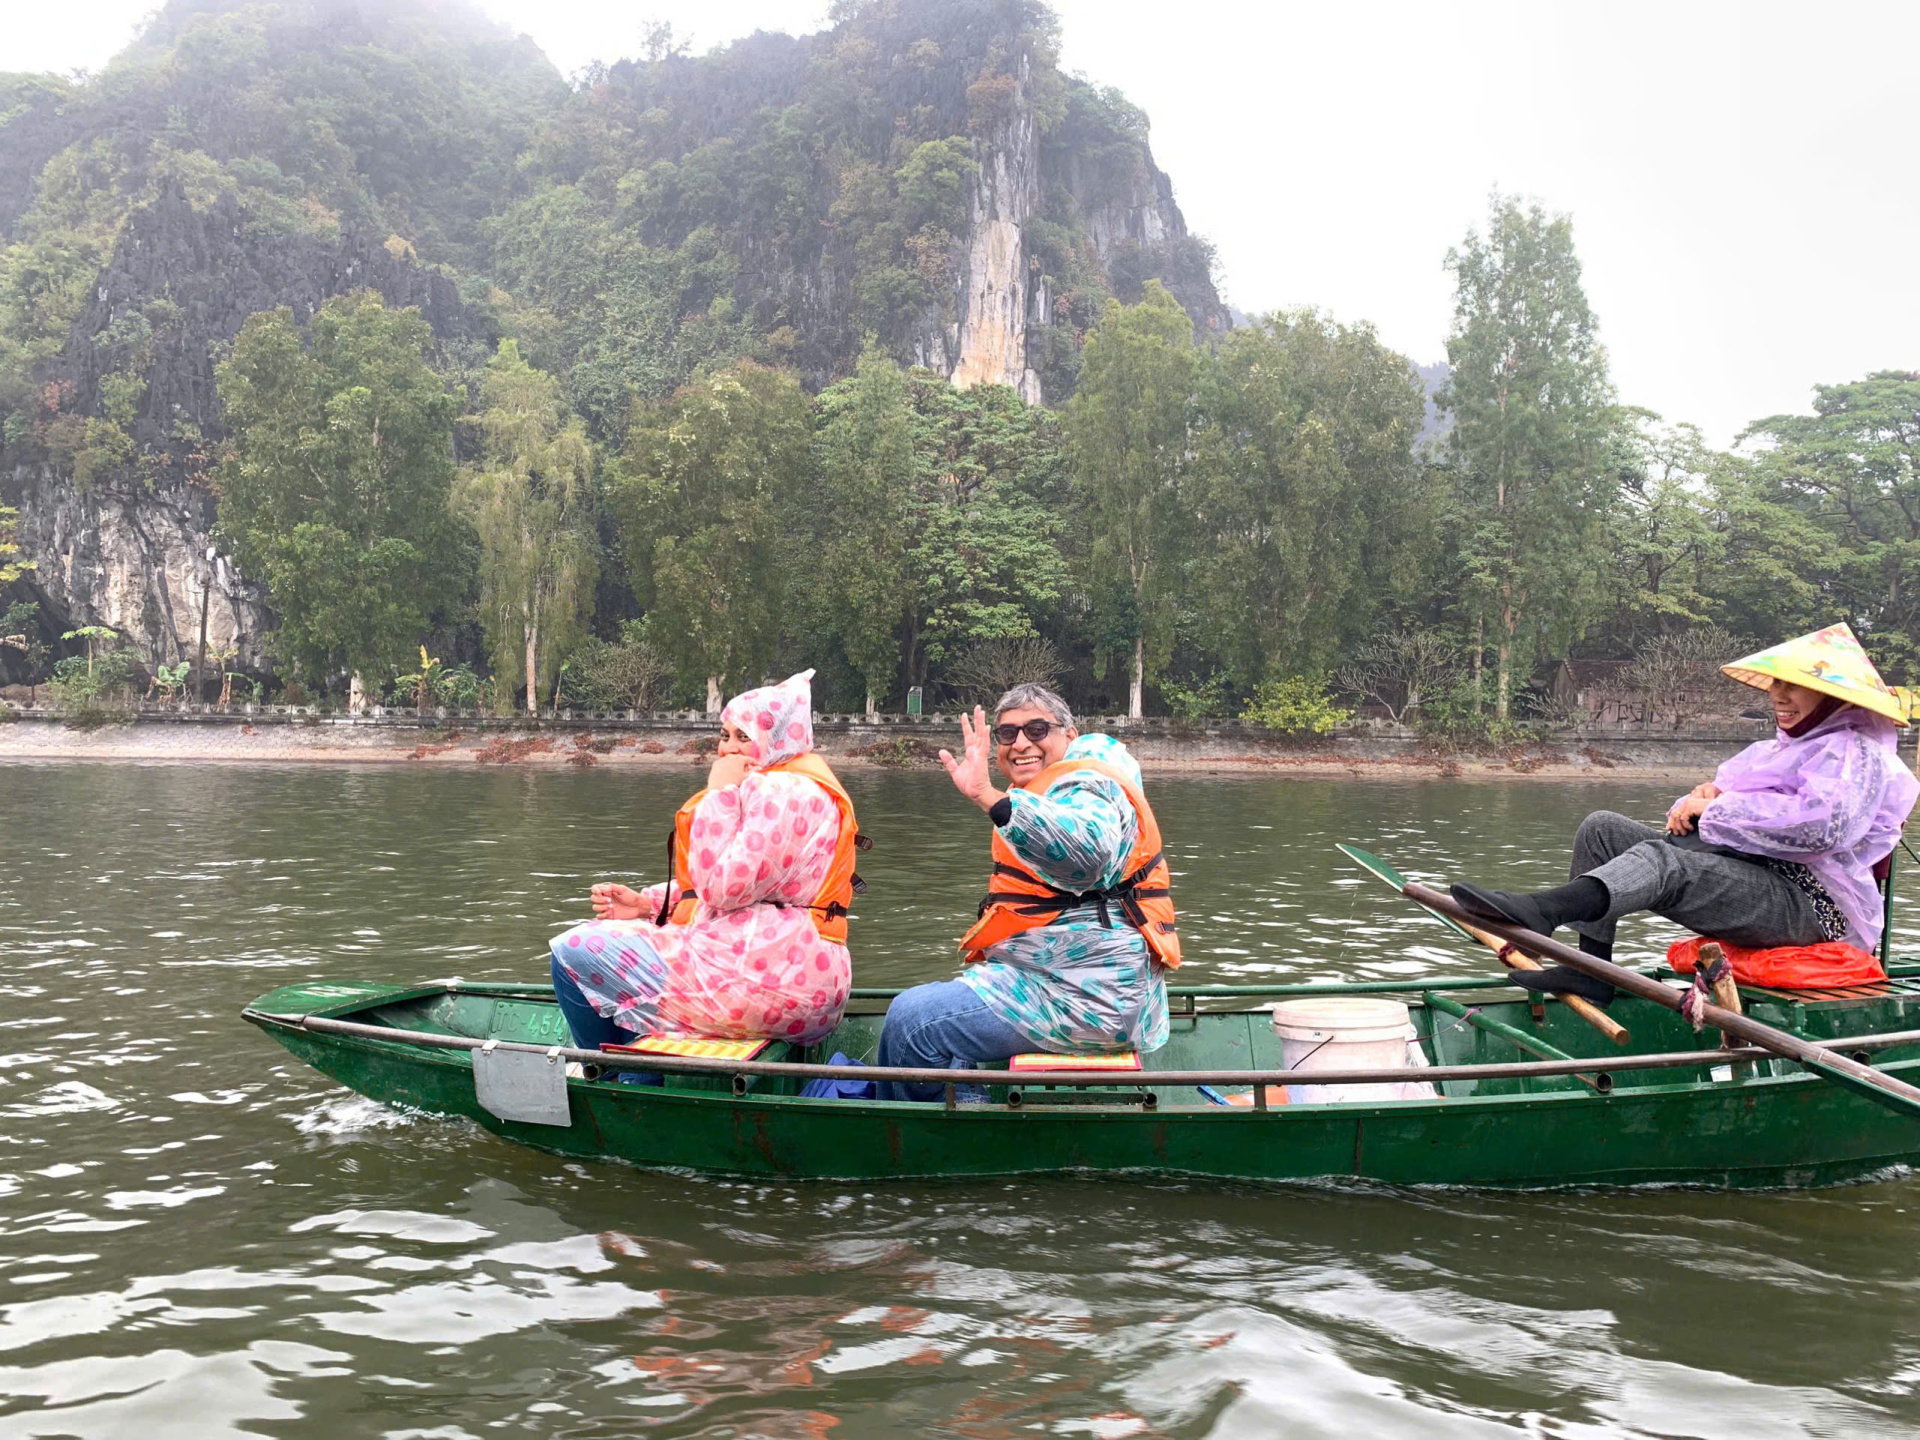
(1833, 800)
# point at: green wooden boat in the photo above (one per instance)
(1529, 1095)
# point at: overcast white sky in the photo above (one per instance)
(1738, 173)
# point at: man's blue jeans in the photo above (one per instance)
(944, 1026)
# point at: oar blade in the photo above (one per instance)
(1381, 870)
(1368, 861)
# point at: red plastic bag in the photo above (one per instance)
(1789, 967)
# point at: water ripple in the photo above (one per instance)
(202, 1237)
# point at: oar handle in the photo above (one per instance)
(1510, 955)
(1841, 1069)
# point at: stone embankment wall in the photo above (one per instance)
(292, 733)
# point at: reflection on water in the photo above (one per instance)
(201, 1237)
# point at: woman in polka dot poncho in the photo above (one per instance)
(751, 962)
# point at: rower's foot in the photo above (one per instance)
(1559, 980)
(1542, 911)
(1502, 907)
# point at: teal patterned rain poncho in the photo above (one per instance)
(1075, 984)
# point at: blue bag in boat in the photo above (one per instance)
(838, 1089)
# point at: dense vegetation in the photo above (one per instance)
(668, 433)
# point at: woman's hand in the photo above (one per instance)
(969, 773)
(1684, 817)
(727, 770)
(617, 902)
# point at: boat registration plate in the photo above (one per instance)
(523, 1085)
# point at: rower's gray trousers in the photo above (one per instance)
(1717, 895)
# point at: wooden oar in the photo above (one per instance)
(1848, 1073)
(1504, 951)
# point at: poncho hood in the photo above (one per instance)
(777, 718)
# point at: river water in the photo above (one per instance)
(200, 1236)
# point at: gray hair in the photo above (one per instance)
(1034, 697)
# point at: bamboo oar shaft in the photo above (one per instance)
(1841, 1069)
(1504, 951)
(1510, 955)
(1526, 1044)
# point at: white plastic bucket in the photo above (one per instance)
(1339, 1032)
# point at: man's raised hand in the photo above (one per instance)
(969, 773)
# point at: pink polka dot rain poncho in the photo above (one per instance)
(750, 963)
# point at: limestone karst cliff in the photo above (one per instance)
(128, 547)
(922, 174)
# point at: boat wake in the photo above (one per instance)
(351, 1115)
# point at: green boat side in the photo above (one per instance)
(1759, 1123)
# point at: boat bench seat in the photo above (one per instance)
(693, 1047)
(1116, 1061)
(1834, 1012)
(1904, 987)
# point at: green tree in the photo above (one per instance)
(984, 551)
(335, 490)
(1532, 412)
(1129, 430)
(1772, 577)
(1666, 544)
(530, 503)
(865, 458)
(1852, 469)
(706, 483)
(934, 526)
(1316, 512)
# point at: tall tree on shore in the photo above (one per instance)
(1666, 543)
(530, 503)
(860, 568)
(335, 488)
(703, 490)
(1314, 507)
(1852, 469)
(1128, 434)
(1532, 410)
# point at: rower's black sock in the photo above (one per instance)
(1559, 980)
(1599, 949)
(1542, 911)
(1582, 899)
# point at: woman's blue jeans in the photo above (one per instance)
(591, 1030)
(943, 1026)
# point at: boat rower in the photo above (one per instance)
(1779, 849)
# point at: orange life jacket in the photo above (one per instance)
(829, 907)
(1017, 899)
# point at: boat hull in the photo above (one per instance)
(1784, 1130)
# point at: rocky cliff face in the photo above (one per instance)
(995, 305)
(1064, 204)
(136, 561)
(1123, 209)
(761, 147)
(128, 548)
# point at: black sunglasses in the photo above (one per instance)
(1035, 730)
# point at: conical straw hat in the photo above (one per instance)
(1829, 661)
